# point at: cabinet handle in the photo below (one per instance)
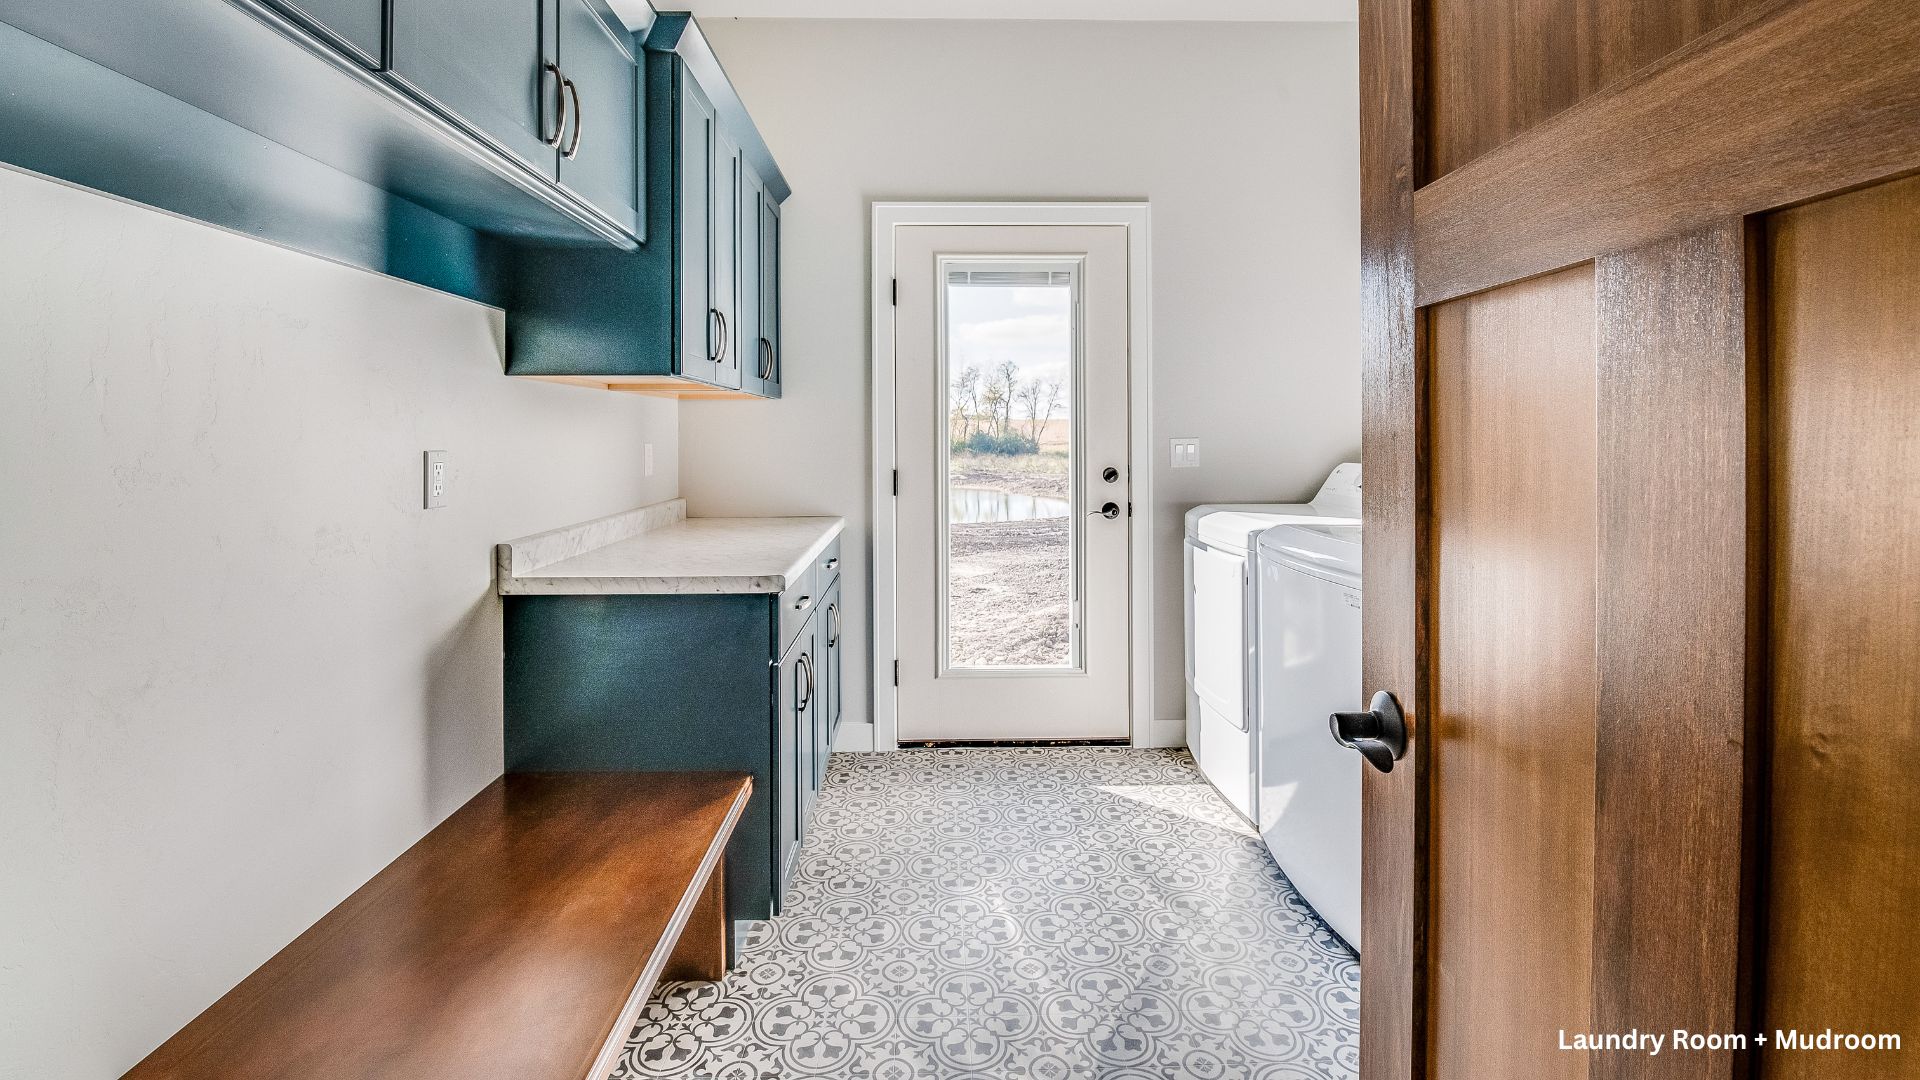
(805, 687)
(766, 359)
(801, 604)
(559, 106)
(579, 117)
(833, 625)
(833, 562)
(716, 335)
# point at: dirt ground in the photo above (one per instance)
(1010, 595)
(1030, 474)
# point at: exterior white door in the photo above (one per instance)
(1011, 429)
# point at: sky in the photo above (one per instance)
(1033, 327)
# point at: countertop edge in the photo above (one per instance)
(535, 584)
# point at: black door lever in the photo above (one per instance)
(1380, 734)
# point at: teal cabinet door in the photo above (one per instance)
(769, 294)
(489, 65)
(700, 329)
(825, 637)
(747, 303)
(831, 651)
(600, 150)
(726, 259)
(790, 684)
(357, 28)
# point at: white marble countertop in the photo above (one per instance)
(658, 549)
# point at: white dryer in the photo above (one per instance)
(1221, 667)
(1308, 797)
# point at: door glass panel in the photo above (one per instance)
(1010, 533)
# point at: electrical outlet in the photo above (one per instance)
(649, 457)
(1186, 453)
(437, 479)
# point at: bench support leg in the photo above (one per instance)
(701, 952)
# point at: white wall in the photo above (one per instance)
(1244, 138)
(240, 668)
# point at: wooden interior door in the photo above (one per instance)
(1642, 405)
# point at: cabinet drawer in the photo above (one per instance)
(796, 604)
(827, 567)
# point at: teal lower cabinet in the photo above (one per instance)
(686, 682)
(695, 311)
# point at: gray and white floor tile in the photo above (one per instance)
(1049, 913)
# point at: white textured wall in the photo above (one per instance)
(240, 668)
(1244, 138)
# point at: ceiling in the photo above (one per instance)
(1124, 10)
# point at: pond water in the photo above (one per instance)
(970, 505)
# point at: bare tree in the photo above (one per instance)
(1030, 396)
(1006, 378)
(966, 401)
(992, 398)
(1050, 395)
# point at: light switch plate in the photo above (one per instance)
(1186, 453)
(437, 479)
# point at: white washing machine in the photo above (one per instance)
(1308, 797)
(1221, 667)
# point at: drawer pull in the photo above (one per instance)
(831, 563)
(802, 603)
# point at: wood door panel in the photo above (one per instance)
(1844, 866)
(1498, 67)
(1512, 714)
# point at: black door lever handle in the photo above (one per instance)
(1380, 734)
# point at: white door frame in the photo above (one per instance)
(1133, 216)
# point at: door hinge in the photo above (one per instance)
(896, 292)
(1129, 508)
(896, 673)
(896, 483)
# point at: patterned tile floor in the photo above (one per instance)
(1026, 914)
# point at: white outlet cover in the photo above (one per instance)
(438, 479)
(1186, 453)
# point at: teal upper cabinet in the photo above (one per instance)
(357, 28)
(488, 64)
(600, 151)
(696, 310)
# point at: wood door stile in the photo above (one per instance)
(1395, 616)
(1681, 379)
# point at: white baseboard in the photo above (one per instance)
(1168, 732)
(853, 739)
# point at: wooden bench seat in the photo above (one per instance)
(519, 939)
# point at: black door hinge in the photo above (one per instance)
(896, 483)
(896, 292)
(896, 673)
(1129, 509)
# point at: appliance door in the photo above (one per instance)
(1218, 625)
(1308, 801)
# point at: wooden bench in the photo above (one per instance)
(519, 939)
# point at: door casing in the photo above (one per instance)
(1134, 217)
